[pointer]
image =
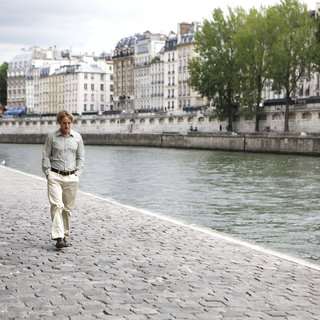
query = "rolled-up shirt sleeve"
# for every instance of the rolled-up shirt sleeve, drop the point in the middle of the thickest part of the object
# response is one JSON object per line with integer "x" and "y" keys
{"x": 46, "y": 154}
{"x": 80, "y": 153}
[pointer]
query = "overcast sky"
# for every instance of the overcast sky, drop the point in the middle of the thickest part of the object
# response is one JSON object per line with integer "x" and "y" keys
{"x": 97, "y": 25}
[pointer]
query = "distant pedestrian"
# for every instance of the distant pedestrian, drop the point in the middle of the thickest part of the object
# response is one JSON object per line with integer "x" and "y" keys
{"x": 62, "y": 163}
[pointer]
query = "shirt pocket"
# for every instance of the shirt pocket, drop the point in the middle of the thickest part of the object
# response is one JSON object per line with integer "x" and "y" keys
{"x": 57, "y": 148}
{"x": 72, "y": 145}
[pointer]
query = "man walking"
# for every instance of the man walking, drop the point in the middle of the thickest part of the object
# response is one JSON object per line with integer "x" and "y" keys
{"x": 62, "y": 163}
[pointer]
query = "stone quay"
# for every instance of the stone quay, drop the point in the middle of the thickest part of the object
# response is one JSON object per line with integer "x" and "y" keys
{"x": 128, "y": 263}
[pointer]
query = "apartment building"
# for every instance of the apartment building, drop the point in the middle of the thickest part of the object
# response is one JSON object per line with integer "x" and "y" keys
{"x": 185, "y": 51}
{"x": 147, "y": 48}
{"x": 151, "y": 71}
{"x": 80, "y": 88}
{"x": 170, "y": 73}
{"x": 90, "y": 88}
{"x": 20, "y": 70}
{"x": 55, "y": 94}
{"x": 123, "y": 63}
{"x": 157, "y": 82}
{"x": 47, "y": 81}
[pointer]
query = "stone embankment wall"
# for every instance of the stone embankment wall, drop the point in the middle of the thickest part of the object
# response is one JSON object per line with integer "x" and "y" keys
{"x": 301, "y": 119}
{"x": 156, "y": 130}
{"x": 268, "y": 143}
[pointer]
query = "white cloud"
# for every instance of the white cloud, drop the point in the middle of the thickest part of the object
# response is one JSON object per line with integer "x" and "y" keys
{"x": 97, "y": 25}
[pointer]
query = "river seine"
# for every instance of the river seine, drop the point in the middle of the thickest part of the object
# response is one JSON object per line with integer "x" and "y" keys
{"x": 269, "y": 199}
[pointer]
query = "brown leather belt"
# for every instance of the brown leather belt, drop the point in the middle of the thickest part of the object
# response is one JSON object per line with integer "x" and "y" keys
{"x": 64, "y": 173}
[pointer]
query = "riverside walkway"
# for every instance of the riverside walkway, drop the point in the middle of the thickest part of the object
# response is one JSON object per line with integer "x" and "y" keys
{"x": 131, "y": 264}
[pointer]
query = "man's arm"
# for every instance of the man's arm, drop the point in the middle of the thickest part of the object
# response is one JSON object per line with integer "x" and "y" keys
{"x": 80, "y": 157}
{"x": 46, "y": 164}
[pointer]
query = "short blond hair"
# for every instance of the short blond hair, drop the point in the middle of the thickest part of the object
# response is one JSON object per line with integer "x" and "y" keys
{"x": 64, "y": 113}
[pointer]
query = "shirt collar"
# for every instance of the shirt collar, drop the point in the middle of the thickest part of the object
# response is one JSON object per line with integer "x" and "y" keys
{"x": 58, "y": 133}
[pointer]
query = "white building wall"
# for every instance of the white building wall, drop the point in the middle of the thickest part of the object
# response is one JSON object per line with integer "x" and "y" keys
{"x": 146, "y": 49}
{"x": 171, "y": 81}
{"x": 156, "y": 83}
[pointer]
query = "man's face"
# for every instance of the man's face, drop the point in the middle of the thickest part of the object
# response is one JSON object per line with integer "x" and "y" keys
{"x": 65, "y": 126}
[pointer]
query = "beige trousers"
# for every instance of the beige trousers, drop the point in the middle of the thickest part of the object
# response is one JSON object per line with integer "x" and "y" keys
{"x": 62, "y": 192}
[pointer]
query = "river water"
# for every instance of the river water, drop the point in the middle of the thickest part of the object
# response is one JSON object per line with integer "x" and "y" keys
{"x": 269, "y": 199}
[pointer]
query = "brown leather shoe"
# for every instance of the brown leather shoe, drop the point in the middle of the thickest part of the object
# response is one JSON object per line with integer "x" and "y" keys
{"x": 65, "y": 243}
{"x": 60, "y": 243}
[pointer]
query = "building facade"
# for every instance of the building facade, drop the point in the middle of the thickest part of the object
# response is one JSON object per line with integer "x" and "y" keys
{"x": 47, "y": 81}
{"x": 187, "y": 97}
{"x": 147, "y": 49}
{"x": 123, "y": 61}
{"x": 170, "y": 73}
{"x": 157, "y": 82}
{"x": 20, "y": 71}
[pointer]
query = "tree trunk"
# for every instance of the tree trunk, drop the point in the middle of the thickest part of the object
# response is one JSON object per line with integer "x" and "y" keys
{"x": 286, "y": 114}
{"x": 260, "y": 86}
{"x": 257, "y": 121}
{"x": 230, "y": 122}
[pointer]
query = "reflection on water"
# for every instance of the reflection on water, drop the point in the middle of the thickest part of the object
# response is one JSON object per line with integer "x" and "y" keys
{"x": 269, "y": 199}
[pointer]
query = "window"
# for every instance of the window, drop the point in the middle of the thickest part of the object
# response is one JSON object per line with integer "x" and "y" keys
{"x": 111, "y": 77}
{"x": 101, "y": 87}
{"x": 102, "y": 97}
{"x": 85, "y": 97}
{"x": 92, "y": 97}
{"x": 101, "y": 77}
{"x": 111, "y": 87}
{"x": 86, "y": 76}
{"x": 92, "y": 86}
{"x": 85, "y": 107}
{"x": 111, "y": 97}
{"x": 85, "y": 86}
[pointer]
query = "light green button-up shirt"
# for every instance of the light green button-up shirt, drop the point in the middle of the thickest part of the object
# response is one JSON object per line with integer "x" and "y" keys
{"x": 63, "y": 153}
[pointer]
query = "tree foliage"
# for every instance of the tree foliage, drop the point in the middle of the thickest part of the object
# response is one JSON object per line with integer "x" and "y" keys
{"x": 240, "y": 53}
{"x": 3, "y": 84}
{"x": 214, "y": 72}
{"x": 292, "y": 44}
{"x": 251, "y": 44}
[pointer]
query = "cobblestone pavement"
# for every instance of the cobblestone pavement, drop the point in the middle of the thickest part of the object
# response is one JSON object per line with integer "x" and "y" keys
{"x": 129, "y": 264}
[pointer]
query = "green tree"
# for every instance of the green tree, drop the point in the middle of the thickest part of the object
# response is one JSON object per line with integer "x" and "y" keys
{"x": 251, "y": 44}
{"x": 317, "y": 37}
{"x": 292, "y": 44}
{"x": 3, "y": 84}
{"x": 214, "y": 72}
